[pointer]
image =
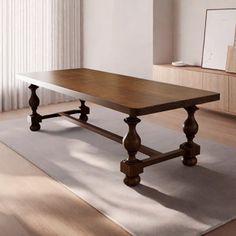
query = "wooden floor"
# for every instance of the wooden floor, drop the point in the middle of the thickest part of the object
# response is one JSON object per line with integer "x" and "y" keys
{"x": 31, "y": 203}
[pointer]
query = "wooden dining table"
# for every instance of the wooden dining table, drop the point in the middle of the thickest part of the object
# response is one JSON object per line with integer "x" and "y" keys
{"x": 133, "y": 96}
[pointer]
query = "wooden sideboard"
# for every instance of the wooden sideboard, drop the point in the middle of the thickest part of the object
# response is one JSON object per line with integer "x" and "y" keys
{"x": 197, "y": 77}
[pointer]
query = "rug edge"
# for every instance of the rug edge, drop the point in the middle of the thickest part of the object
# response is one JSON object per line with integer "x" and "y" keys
{"x": 217, "y": 226}
{"x": 68, "y": 189}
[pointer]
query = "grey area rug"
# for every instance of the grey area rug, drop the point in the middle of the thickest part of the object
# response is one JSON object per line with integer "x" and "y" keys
{"x": 172, "y": 200}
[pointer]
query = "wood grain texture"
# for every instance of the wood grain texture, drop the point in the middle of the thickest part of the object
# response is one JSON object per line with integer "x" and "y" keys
{"x": 122, "y": 93}
{"x": 166, "y": 75}
{"x": 178, "y": 76}
{"x": 232, "y": 94}
{"x": 217, "y": 83}
{"x": 191, "y": 79}
{"x": 231, "y": 60}
{"x": 212, "y": 80}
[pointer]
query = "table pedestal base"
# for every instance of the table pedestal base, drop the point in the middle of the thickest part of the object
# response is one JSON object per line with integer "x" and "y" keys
{"x": 131, "y": 167}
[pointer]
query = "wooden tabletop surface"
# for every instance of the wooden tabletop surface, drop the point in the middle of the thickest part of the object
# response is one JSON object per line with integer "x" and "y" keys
{"x": 127, "y": 94}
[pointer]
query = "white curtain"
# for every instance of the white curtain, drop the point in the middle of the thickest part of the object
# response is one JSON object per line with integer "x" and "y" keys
{"x": 36, "y": 35}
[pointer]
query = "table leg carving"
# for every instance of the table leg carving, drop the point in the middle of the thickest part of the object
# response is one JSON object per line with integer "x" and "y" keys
{"x": 84, "y": 111}
{"x": 190, "y": 128}
{"x": 132, "y": 167}
{"x": 34, "y": 103}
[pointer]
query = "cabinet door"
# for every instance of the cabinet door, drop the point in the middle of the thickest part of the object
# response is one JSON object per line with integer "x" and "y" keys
{"x": 178, "y": 76}
{"x": 166, "y": 74}
{"x": 190, "y": 79}
{"x": 232, "y": 94}
{"x": 217, "y": 83}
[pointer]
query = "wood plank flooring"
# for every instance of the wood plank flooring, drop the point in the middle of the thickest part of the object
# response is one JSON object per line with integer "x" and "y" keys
{"x": 31, "y": 203}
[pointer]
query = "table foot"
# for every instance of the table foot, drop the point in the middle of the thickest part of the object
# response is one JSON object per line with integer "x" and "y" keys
{"x": 131, "y": 167}
{"x": 34, "y": 103}
{"x": 189, "y": 162}
{"x": 132, "y": 181}
{"x": 190, "y": 128}
{"x": 35, "y": 127}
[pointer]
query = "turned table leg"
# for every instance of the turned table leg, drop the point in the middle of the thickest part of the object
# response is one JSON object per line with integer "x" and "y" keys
{"x": 34, "y": 103}
{"x": 84, "y": 111}
{"x": 190, "y": 128}
{"x": 131, "y": 166}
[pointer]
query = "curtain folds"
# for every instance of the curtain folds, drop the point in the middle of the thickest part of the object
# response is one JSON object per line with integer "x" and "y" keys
{"x": 36, "y": 35}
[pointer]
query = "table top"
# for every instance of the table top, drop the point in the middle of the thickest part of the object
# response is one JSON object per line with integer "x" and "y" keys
{"x": 126, "y": 94}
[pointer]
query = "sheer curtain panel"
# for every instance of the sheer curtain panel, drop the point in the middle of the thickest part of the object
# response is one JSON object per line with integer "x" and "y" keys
{"x": 36, "y": 35}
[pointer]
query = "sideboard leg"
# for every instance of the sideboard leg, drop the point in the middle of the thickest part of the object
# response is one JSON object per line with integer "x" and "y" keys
{"x": 84, "y": 111}
{"x": 190, "y": 128}
{"x": 132, "y": 167}
{"x": 34, "y": 103}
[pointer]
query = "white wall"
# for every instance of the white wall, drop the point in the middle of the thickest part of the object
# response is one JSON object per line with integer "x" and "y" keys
{"x": 163, "y": 31}
{"x": 118, "y": 36}
{"x": 189, "y": 23}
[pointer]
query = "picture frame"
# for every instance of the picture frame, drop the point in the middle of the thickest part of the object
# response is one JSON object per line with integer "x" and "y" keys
{"x": 219, "y": 34}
